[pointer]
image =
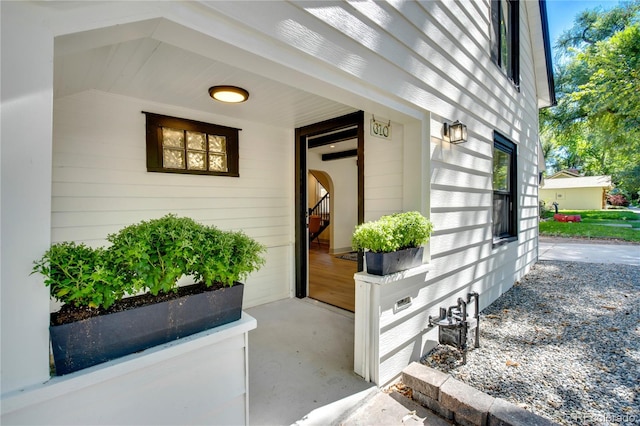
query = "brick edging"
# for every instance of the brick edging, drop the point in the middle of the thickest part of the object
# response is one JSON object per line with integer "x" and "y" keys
{"x": 463, "y": 404}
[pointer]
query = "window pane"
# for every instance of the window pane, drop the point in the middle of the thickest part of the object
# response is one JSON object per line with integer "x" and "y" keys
{"x": 495, "y": 31}
{"x": 178, "y": 145}
{"x": 501, "y": 162}
{"x": 173, "y": 158}
{"x": 218, "y": 163}
{"x": 217, "y": 143}
{"x": 505, "y": 154}
{"x": 501, "y": 215}
{"x": 196, "y": 140}
{"x": 505, "y": 36}
{"x": 172, "y": 138}
{"x": 196, "y": 160}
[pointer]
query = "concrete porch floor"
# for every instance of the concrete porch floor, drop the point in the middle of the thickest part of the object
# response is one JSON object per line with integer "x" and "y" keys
{"x": 301, "y": 360}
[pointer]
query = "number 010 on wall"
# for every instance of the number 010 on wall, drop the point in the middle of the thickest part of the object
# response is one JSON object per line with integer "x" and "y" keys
{"x": 381, "y": 129}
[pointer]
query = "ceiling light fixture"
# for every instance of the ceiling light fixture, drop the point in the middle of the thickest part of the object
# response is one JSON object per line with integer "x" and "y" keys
{"x": 228, "y": 94}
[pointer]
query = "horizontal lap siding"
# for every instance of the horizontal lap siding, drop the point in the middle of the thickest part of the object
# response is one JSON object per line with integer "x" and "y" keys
{"x": 100, "y": 183}
{"x": 436, "y": 55}
{"x": 433, "y": 56}
{"x": 382, "y": 172}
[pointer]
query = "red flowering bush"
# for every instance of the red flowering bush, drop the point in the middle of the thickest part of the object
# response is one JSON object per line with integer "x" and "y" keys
{"x": 617, "y": 200}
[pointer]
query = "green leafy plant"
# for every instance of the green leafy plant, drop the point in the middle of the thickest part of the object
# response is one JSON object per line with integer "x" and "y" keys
{"x": 225, "y": 257}
{"x": 392, "y": 232}
{"x": 81, "y": 275}
{"x": 150, "y": 256}
{"x": 156, "y": 253}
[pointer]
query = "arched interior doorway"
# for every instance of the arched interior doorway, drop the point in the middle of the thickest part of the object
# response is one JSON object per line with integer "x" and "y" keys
{"x": 332, "y": 217}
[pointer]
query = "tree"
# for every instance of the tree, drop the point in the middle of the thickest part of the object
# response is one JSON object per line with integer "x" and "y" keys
{"x": 595, "y": 126}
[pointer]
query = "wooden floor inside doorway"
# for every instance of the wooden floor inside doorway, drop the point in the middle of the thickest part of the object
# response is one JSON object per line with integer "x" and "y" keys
{"x": 331, "y": 278}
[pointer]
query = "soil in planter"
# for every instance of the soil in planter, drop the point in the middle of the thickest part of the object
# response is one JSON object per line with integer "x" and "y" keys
{"x": 69, "y": 313}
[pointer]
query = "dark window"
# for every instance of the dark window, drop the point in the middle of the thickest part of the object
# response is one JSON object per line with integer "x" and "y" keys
{"x": 504, "y": 189}
{"x": 178, "y": 145}
{"x": 505, "y": 31}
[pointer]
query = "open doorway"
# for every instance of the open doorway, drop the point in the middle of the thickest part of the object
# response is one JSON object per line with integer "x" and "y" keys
{"x": 332, "y": 217}
{"x": 321, "y": 273}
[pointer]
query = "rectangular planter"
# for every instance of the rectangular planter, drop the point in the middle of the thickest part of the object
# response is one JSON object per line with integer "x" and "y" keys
{"x": 99, "y": 339}
{"x": 396, "y": 261}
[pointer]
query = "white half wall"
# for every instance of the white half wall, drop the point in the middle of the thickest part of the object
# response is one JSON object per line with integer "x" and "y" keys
{"x": 178, "y": 383}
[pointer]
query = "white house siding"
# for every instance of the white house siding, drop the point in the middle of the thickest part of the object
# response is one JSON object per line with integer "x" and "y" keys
{"x": 435, "y": 55}
{"x": 398, "y": 59}
{"x": 383, "y": 170}
{"x": 100, "y": 182}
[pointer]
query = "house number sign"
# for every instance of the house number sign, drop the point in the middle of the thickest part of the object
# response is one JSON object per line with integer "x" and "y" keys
{"x": 380, "y": 129}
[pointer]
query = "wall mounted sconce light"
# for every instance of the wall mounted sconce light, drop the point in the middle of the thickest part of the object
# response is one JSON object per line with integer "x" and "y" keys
{"x": 456, "y": 132}
{"x": 228, "y": 94}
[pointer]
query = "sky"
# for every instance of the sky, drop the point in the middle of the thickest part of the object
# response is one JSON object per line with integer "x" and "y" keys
{"x": 562, "y": 13}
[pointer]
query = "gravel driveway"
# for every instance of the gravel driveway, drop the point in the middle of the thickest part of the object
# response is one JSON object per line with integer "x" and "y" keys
{"x": 564, "y": 343}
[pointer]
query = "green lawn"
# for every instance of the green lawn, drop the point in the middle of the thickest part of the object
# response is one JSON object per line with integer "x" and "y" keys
{"x": 593, "y": 225}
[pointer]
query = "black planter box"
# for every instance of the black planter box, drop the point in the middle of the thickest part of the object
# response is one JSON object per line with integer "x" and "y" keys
{"x": 396, "y": 261}
{"x": 99, "y": 339}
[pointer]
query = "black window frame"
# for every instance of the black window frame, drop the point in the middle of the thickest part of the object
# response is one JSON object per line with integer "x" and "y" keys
{"x": 154, "y": 125}
{"x": 511, "y": 69}
{"x": 504, "y": 234}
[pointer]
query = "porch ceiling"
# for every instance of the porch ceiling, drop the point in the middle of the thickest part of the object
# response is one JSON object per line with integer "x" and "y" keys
{"x": 140, "y": 61}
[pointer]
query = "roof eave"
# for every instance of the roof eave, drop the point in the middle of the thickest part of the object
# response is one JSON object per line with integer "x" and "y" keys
{"x": 547, "y": 52}
{"x": 542, "y": 55}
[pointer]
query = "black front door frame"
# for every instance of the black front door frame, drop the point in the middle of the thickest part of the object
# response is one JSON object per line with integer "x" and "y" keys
{"x": 302, "y": 209}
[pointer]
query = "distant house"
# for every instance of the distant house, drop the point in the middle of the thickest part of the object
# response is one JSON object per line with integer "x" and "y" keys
{"x": 362, "y": 93}
{"x": 574, "y": 192}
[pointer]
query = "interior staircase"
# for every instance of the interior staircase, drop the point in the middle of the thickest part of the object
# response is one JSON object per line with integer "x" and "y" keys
{"x": 319, "y": 218}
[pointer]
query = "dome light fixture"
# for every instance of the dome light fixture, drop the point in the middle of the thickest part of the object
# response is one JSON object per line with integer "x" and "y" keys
{"x": 228, "y": 94}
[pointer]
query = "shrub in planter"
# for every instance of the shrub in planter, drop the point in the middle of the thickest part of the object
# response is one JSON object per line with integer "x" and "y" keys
{"x": 224, "y": 257}
{"x": 81, "y": 276}
{"x": 392, "y": 232}
{"x": 146, "y": 257}
{"x": 402, "y": 234}
{"x": 154, "y": 254}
